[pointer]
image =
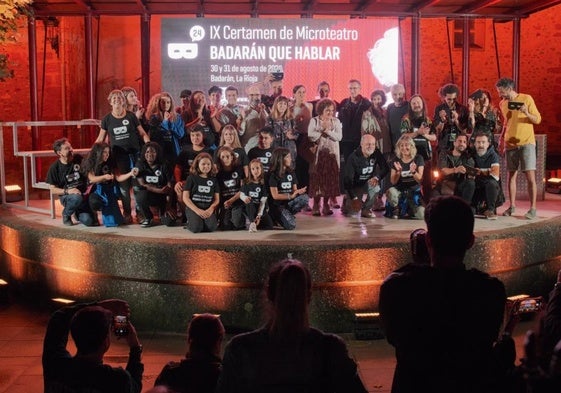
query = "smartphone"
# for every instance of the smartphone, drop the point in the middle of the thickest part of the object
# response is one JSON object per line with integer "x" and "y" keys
{"x": 514, "y": 106}
{"x": 528, "y": 305}
{"x": 278, "y": 76}
{"x": 120, "y": 325}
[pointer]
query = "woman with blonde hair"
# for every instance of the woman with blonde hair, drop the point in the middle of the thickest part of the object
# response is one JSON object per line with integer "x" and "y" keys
{"x": 166, "y": 126}
{"x": 404, "y": 197}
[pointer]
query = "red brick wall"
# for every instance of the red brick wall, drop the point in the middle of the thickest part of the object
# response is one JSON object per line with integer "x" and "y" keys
{"x": 119, "y": 65}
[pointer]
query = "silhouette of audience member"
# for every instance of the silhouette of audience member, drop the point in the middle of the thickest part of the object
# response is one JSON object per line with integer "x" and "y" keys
{"x": 199, "y": 371}
{"x": 90, "y": 326}
{"x": 287, "y": 355}
{"x": 443, "y": 319}
{"x": 540, "y": 371}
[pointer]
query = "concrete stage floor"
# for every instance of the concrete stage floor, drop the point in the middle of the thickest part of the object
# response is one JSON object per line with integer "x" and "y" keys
{"x": 173, "y": 273}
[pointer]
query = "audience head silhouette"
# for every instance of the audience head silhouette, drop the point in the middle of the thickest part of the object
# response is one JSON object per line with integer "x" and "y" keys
{"x": 205, "y": 334}
{"x": 288, "y": 291}
{"x": 449, "y": 229}
{"x": 90, "y": 329}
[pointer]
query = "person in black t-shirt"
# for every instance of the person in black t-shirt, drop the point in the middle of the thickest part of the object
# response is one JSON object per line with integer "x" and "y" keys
{"x": 230, "y": 176}
{"x": 66, "y": 179}
{"x": 264, "y": 150}
{"x": 155, "y": 186}
{"x": 201, "y": 195}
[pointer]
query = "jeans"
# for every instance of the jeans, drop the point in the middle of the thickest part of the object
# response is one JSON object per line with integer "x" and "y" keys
{"x": 76, "y": 204}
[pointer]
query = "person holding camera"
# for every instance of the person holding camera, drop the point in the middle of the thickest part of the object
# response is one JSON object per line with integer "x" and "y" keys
{"x": 455, "y": 167}
{"x": 254, "y": 118}
{"x": 91, "y": 326}
{"x": 450, "y": 117}
{"x": 519, "y": 141}
{"x": 444, "y": 319}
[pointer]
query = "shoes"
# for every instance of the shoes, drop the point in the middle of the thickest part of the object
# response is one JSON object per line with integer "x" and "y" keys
{"x": 379, "y": 205}
{"x": 127, "y": 219}
{"x": 146, "y": 223}
{"x": 326, "y": 211}
{"x": 490, "y": 215}
{"x": 334, "y": 204}
{"x": 509, "y": 212}
{"x": 367, "y": 214}
{"x": 315, "y": 211}
{"x": 530, "y": 214}
{"x": 67, "y": 220}
{"x": 395, "y": 213}
{"x": 252, "y": 227}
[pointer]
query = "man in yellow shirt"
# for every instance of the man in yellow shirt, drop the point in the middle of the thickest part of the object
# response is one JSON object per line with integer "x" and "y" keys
{"x": 520, "y": 115}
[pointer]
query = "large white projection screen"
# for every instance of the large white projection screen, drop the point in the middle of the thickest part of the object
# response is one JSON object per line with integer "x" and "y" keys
{"x": 199, "y": 53}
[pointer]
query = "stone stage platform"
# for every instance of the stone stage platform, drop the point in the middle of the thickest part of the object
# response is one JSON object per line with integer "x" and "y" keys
{"x": 168, "y": 274}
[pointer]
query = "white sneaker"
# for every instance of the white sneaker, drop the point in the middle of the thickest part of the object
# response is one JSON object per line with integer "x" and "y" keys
{"x": 252, "y": 227}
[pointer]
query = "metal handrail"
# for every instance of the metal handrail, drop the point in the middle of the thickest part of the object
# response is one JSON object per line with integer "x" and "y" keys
{"x": 25, "y": 154}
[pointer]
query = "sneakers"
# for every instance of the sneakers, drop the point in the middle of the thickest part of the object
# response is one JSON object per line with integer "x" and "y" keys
{"x": 252, "y": 227}
{"x": 315, "y": 211}
{"x": 530, "y": 214}
{"x": 490, "y": 215}
{"x": 367, "y": 214}
{"x": 67, "y": 220}
{"x": 326, "y": 211}
{"x": 509, "y": 212}
{"x": 146, "y": 223}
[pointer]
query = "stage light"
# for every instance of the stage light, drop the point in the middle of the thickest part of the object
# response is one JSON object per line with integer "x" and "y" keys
{"x": 553, "y": 185}
{"x": 63, "y": 300}
{"x": 367, "y": 326}
{"x": 13, "y": 193}
{"x": 4, "y": 295}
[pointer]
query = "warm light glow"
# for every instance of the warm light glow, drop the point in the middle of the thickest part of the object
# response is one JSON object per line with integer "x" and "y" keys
{"x": 517, "y": 297}
{"x": 62, "y": 300}
{"x": 68, "y": 257}
{"x": 12, "y": 188}
{"x": 212, "y": 278}
{"x": 364, "y": 315}
{"x": 554, "y": 180}
{"x": 501, "y": 255}
{"x": 3, "y": 282}
{"x": 10, "y": 243}
{"x": 435, "y": 174}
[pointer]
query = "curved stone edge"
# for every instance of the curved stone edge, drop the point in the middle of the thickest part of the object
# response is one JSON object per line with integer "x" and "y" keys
{"x": 166, "y": 282}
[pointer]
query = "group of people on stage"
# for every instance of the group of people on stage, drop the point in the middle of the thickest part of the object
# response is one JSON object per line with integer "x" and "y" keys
{"x": 222, "y": 165}
{"x": 451, "y": 328}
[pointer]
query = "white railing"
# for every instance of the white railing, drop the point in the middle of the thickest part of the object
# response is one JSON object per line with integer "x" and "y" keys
{"x": 30, "y": 179}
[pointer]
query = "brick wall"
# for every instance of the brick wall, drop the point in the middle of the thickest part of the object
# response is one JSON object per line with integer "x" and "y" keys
{"x": 119, "y": 65}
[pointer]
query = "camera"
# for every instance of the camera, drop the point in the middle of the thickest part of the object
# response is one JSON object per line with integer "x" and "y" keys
{"x": 514, "y": 106}
{"x": 120, "y": 325}
{"x": 419, "y": 250}
{"x": 278, "y": 76}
